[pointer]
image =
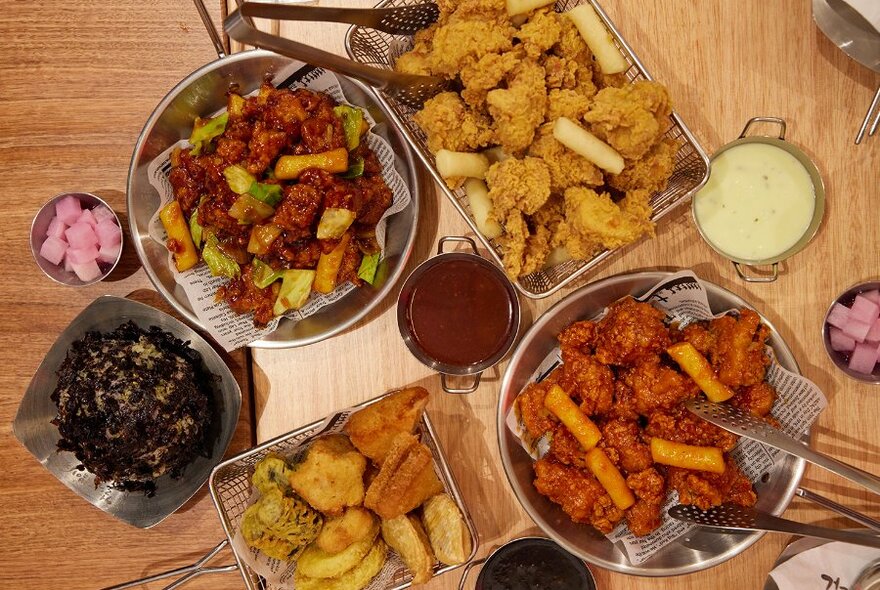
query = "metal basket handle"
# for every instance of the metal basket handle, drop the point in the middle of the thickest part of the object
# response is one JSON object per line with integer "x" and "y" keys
{"x": 188, "y": 572}
{"x": 467, "y": 570}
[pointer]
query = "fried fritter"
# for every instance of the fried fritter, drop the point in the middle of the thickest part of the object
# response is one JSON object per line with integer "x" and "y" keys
{"x": 405, "y": 535}
{"x": 406, "y": 479}
{"x": 332, "y": 475}
{"x": 272, "y": 472}
{"x": 597, "y": 218}
{"x": 629, "y": 331}
{"x": 738, "y": 355}
{"x": 354, "y": 579}
{"x": 579, "y": 494}
{"x": 450, "y": 124}
{"x": 633, "y": 118}
{"x": 341, "y": 531}
{"x": 373, "y": 428}
{"x": 280, "y": 526}
{"x": 314, "y": 562}
{"x": 446, "y": 529}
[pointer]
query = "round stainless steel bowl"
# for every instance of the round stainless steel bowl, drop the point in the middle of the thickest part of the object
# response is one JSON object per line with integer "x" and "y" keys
{"x": 204, "y": 92}
{"x": 692, "y": 552}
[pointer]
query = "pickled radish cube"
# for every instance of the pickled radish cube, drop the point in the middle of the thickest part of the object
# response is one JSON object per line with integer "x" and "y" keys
{"x": 872, "y": 296}
{"x": 87, "y": 271}
{"x": 109, "y": 254}
{"x": 56, "y": 228}
{"x": 840, "y": 341}
{"x": 109, "y": 234}
{"x": 68, "y": 209}
{"x": 863, "y": 358}
{"x": 80, "y": 235}
{"x": 101, "y": 213}
{"x": 53, "y": 249}
{"x": 874, "y": 333}
{"x": 864, "y": 309}
{"x": 838, "y": 316}
{"x": 88, "y": 217}
{"x": 67, "y": 266}
{"x": 82, "y": 255}
{"x": 856, "y": 329}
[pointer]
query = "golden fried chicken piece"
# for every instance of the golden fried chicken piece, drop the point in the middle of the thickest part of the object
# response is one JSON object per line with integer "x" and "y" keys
{"x": 561, "y": 73}
{"x": 649, "y": 488}
{"x": 576, "y": 58}
{"x": 704, "y": 489}
{"x": 631, "y": 119}
{"x": 373, "y": 428}
{"x": 651, "y": 172}
{"x": 738, "y": 356}
{"x": 540, "y": 32}
{"x": 629, "y": 331}
{"x": 680, "y": 425}
{"x": 757, "y": 399}
{"x": 406, "y": 479}
{"x": 657, "y": 386}
{"x": 565, "y": 448}
{"x": 577, "y": 244}
{"x": 450, "y": 124}
{"x": 460, "y": 43}
{"x": 599, "y": 219}
{"x": 518, "y": 185}
{"x": 567, "y": 168}
{"x": 331, "y": 477}
{"x": 536, "y": 250}
{"x": 485, "y": 74}
{"x": 588, "y": 380}
{"x": 566, "y": 103}
{"x": 624, "y": 436}
{"x": 579, "y": 494}
{"x": 414, "y": 62}
{"x": 513, "y": 243}
{"x": 494, "y": 11}
{"x": 699, "y": 336}
{"x": 519, "y": 109}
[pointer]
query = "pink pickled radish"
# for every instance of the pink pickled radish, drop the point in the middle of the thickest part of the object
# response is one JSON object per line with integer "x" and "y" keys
{"x": 863, "y": 358}
{"x": 67, "y": 266}
{"x": 840, "y": 341}
{"x": 82, "y": 255}
{"x": 864, "y": 309}
{"x": 88, "y": 217}
{"x": 87, "y": 271}
{"x": 80, "y": 235}
{"x": 68, "y": 209}
{"x": 873, "y": 334}
{"x": 838, "y": 316}
{"x": 108, "y": 233}
{"x": 101, "y": 213}
{"x": 53, "y": 249}
{"x": 856, "y": 329}
{"x": 56, "y": 228}
{"x": 109, "y": 254}
{"x": 873, "y": 295}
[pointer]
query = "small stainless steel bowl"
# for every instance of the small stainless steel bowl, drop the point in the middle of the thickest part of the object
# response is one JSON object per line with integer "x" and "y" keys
{"x": 818, "y": 209}
{"x": 404, "y": 325}
{"x": 39, "y": 226}
{"x": 841, "y": 359}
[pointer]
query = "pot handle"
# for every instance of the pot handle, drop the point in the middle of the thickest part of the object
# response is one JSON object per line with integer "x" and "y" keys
{"x": 467, "y": 570}
{"x": 209, "y": 26}
{"x": 776, "y": 120}
{"x": 460, "y": 391}
{"x": 462, "y": 239}
{"x": 756, "y": 279}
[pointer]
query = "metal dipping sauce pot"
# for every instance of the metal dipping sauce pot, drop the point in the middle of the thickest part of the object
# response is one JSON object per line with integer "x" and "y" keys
{"x": 458, "y": 314}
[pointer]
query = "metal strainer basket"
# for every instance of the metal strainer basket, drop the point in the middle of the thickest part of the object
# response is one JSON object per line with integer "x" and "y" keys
{"x": 369, "y": 46}
{"x": 232, "y": 492}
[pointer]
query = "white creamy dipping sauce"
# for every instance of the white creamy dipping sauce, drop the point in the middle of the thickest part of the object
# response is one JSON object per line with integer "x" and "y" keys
{"x": 758, "y": 202}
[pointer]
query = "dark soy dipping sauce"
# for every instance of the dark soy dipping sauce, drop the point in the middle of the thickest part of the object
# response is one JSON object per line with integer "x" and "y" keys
{"x": 534, "y": 564}
{"x": 460, "y": 313}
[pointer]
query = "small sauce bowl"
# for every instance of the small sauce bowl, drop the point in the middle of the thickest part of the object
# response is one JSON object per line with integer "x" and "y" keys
{"x": 458, "y": 314}
{"x": 709, "y": 222}
{"x": 839, "y": 358}
{"x": 40, "y": 225}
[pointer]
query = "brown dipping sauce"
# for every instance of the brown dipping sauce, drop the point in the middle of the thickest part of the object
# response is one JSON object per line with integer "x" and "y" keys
{"x": 534, "y": 564}
{"x": 460, "y": 312}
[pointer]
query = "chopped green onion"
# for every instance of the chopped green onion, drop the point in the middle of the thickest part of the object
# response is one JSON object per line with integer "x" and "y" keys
{"x": 204, "y": 131}
{"x": 368, "y": 268}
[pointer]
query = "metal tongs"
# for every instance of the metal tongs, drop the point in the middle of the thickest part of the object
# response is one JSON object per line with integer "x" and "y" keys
{"x": 410, "y": 89}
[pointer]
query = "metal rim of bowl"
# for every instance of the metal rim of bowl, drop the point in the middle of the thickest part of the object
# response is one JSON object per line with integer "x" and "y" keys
{"x": 818, "y": 192}
{"x": 833, "y": 355}
{"x": 35, "y": 247}
{"x": 416, "y": 350}
{"x": 406, "y": 159}
{"x": 747, "y": 539}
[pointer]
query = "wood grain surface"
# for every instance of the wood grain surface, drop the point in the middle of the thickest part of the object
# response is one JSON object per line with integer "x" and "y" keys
{"x": 723, "y": 62}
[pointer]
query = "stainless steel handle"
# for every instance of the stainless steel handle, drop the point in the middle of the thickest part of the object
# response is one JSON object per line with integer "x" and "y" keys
{"x": 467, "y": 570}
{"x": 460, "y": 391}
{"x": 191, "y": 571}
{"x": 459, "y": 239}
{"x": 774, "y": 120}
{"x": 767, "y": 522}
{"x": 212, "y": 30}
{"x": 839, "y": 508}
{"x": 400, "y": 20}
{"x": 756, "y": 279}
{"x": 867, "y": 480}
{"x": 875, "y": 105}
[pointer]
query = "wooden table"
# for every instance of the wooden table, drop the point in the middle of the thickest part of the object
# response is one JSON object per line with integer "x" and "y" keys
{"x": 77, "y": 82}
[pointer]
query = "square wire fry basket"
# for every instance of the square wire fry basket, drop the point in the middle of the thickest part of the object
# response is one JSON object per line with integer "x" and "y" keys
{"x": 231, "y": 490}
{"x": 691, "y": 171}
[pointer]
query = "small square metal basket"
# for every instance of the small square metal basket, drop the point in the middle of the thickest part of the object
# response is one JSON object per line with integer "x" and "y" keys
{"x": 375, "y": 48}
{"x": 231, "y": 489}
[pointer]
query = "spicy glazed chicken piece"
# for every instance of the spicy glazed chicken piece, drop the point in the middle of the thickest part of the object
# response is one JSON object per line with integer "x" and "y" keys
{"x": 699, "y": 336}
{"x": 755, "y": 399}
{"x": 537, "y": 419}
{"x": 738, "y": 355}
{"x": 630, "y": 331}
{"x": 649, "y": 488}
{"x": 588, "y": 380}
{"x": 579, "y": 335}
{"x": 579, "y": 494}
{"x": 704, "y": 489}
{"x": 625, "y": 437}
{"x": 243, "y": 296}
{"x": 658, "y": 387}
{"x": 566, "y": 449}
{"x": 680, "y": 425}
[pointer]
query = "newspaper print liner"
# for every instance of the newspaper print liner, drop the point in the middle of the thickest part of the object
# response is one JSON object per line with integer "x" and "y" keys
{"x": 232, "y": 330}
{"x": 797, "y": 406}
{"x": 394, "y": 573}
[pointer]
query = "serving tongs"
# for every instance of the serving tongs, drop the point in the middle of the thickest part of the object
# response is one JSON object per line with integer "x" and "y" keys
{"x": 410, "y": 89}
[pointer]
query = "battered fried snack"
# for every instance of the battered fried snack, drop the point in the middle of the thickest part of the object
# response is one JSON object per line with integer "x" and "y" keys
{"x": 272, "y": 472}
{"x": 354, "y": 579}
{"x": 342, "y": 531}
{"x": 314, "y": 562}
{"x": 373, "y": 428}
{"x": 405, "y": 535}
{"x": 447, "y": 530}
{"x": 280, "y": 526}
{"x": 698, "y": 368}
{"x": 406, "y": 479}
{"x": 332, "y": 475}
